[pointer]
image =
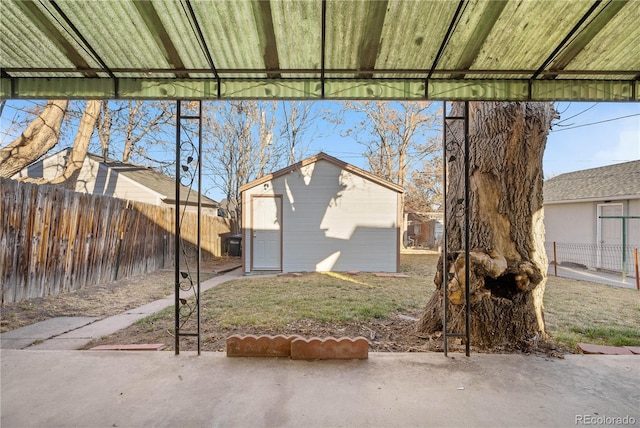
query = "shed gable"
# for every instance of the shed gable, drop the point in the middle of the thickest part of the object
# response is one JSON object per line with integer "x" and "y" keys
{"x": 333, "y": 218}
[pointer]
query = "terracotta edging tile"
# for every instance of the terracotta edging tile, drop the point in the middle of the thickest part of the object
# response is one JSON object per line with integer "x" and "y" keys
{"x": 588, "y": 348}
{"x": 259, "y": 346}
{"x": 330, "y": 348}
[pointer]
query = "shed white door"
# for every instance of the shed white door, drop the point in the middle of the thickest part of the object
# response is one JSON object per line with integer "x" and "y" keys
{"x": 609, "y": 237}
{"x": 267, "y": 235}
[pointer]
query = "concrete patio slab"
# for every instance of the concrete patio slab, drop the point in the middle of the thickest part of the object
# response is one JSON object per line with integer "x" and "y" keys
{"x": 136, "y": 389}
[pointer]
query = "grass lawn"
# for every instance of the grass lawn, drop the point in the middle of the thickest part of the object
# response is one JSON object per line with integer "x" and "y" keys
{"x": 274, "y": 302}
{"x": 575, "y": 311}
{"x": 581, "y": 311}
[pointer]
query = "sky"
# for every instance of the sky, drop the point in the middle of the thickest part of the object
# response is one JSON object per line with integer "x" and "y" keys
{"x": 587, "y": 135}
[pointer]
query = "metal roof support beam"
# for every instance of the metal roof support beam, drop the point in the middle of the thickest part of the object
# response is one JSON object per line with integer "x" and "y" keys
{"x": 387, "y": 89}
{"x": 370, "y": 42}
{"x": 323, "y": 41}
{"x": 264, "y": 24}
{"x": 447, "y": 36}
{"x": 480, "y": 34}
{"x": 33, "y": 12}
{"x": 566, "y": 39}
{"x": 163, "y": 40}
{"x": 203, "y": 43}
{"x": 585, "y": 36}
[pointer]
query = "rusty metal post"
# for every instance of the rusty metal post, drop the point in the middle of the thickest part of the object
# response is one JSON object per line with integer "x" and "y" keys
{"x": 555, "y": 260}
{"x": 635, "y": 256}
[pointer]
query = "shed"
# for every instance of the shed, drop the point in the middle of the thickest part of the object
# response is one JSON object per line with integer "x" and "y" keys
{"x": 584, "y": 210}
{"x": 321, "y": 214}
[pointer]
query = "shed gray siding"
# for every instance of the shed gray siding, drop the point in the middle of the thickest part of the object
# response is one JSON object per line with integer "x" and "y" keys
{"x": 332, "y": 220}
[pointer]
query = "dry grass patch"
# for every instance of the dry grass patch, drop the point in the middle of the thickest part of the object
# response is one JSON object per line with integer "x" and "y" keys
{"x": 275, "y": 302}
{"x": 581, "y": 311}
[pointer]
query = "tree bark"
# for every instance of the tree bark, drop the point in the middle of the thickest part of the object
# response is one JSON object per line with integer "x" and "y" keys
{"x": 78, "y": 153}
{"x": 39, "y": 137}
{"x": 508, "y": 263}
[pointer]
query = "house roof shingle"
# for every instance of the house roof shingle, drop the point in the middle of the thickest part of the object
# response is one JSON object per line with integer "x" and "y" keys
{"x": 155, "y": 181}
{"x": 619, "y": 181}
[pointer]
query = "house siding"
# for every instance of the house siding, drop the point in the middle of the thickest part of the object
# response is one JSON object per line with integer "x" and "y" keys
{"x": 577, "y": 222}
{"x": 332, "y": 220}
{"x": 573, "y": 223}
{"x": 97, "y": 178}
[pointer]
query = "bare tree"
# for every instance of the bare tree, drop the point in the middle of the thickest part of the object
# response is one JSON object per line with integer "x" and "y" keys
{"x": 130, "y": 130}
{"x": 394, "y": 134}
{"x": 237, "y": 147}
{"x": 508, "y": 263}
{"x": 296, "y": 128}
{"x": 424, "y": 187}
{"x": 38, "y": 138}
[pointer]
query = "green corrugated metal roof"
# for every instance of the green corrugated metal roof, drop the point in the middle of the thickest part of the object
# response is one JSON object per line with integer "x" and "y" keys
{"x": 315, "y": 49}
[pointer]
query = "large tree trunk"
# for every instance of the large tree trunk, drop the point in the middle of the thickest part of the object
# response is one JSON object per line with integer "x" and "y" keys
{"x": 39, "y": 137}
{"x": 508, "y": 263}
{"x": 80, "y": 146}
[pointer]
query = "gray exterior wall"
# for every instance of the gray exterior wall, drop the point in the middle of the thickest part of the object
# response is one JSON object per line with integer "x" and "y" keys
{"x": 570, "y": 223}
{"x": 332, "y": 220}
{"x": 98, "y": 179}
{"x": 577, "y": 222}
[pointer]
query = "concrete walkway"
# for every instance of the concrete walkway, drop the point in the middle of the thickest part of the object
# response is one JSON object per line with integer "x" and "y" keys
{"x": 158, "y": 389}
{"x": 68, "y": 333}
{"x": 593, "y": 276}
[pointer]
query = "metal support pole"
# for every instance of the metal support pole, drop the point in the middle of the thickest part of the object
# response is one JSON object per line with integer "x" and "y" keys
{"x": 184, "y": 278}
{"x": 177, "y": 234}
{"x": 466, "y": 230}
{"x": 467, "y": 333}
{"x": 624, "y": 249}
{"x": 635, "y": 253}
{"x": 199, "y": 255}
{"x": 555, "y": 259}
{"x": 445, "y": 248}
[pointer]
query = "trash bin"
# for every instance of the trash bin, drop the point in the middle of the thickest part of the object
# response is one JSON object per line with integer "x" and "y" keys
{"x": 234, "y": 245}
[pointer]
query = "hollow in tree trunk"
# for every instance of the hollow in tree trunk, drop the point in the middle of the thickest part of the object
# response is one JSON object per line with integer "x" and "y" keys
{"x": 507, "y": 259}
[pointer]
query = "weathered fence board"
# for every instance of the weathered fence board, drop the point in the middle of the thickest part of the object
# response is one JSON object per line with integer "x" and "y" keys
{"x": 55, "y": 240}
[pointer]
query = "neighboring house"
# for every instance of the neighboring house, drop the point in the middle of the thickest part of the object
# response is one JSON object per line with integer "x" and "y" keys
{"x": 120, "y": 180}
{"x": 321, "y": 214}
{"x": 574, "y": 204}
{"x": 423, "y": 230}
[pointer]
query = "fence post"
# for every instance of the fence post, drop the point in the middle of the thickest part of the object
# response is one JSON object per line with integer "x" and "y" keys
{"x": 555, "y": 260}
{"x": 635, "y": 251}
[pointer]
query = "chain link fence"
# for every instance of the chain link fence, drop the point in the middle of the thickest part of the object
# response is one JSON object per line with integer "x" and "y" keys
{"x": 611, "y": 259}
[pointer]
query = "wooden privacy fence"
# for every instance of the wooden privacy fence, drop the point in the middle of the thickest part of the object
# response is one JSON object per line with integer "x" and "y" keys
{"x": 54, "y": 240}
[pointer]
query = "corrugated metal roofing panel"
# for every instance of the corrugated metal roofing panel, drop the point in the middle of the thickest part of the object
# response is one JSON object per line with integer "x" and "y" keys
{"x": 615, "y": 47}
{"x": 526, "y": 33}
{"x": 344, "y": 34}
{"x": 302, "y": 18}
{"x": 30, "y": 39}
{"x": 412, "y": 34}
{"x": 117, "y": 32}
{"x": 386, "y": 48}
{"x": 229, "y": 28}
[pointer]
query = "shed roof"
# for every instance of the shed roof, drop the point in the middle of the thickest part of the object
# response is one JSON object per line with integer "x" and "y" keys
{"x": 619, "y": 181}
{"x": 321, "y": 49}
{"x": 323, "y": 156}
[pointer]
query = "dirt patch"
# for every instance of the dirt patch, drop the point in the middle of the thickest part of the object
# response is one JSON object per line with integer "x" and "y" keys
{"x": 103, "y": 300}
{"x": 395, "y": 334}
